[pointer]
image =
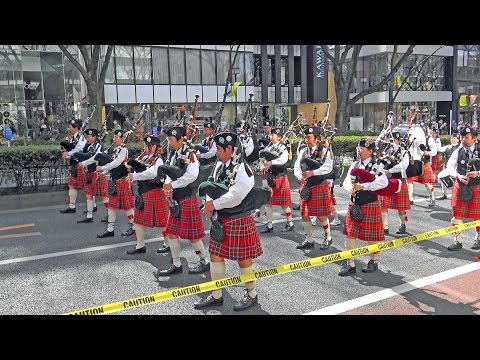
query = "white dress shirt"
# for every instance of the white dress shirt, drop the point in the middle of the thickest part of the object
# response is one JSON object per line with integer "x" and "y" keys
{"x": 380, "y": 182}
{"x": 322, "y": 170}
{"x": 190, "y": 175}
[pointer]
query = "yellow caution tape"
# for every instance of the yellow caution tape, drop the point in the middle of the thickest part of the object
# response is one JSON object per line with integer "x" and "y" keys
{"x": 265, "y": 273}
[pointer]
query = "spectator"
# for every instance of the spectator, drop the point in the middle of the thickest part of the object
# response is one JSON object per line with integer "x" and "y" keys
{"x": 127, "y": 125}
{"x": 7, "y": 130}
{"x": 44, "y": 126}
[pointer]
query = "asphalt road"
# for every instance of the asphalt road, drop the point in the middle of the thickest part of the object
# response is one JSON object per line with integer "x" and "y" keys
{"x": 49, "y": 264}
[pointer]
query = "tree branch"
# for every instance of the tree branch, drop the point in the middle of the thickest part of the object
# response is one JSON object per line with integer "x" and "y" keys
{"x": 74, "y": 61}
{"x": 86, "y": 57}
{"x": 106, "y": 62}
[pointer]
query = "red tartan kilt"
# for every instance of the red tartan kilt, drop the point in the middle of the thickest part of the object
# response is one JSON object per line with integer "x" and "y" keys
{"x": 123, "y": 199}
{"x": 397, "y": 201}
{"x": 436, "y": 165}
{"x": 427, "y": 177}
{"x": 241, "y": 240}
{"x": 155, "y": 209}
{"x": 371, "y": 226}
{"x": 80, "y": 180}
{"x": 281, "y": 192}
{"x": 99, "y": 185}
{"x": 189, "y": 225}
{"x": 462, "y": 209}
{"x": 332, "y": 196}
{"x": 321, "y": 202}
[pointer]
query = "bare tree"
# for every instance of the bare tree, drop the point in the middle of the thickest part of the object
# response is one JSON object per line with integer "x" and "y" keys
{"x": 344, "y": 68}
{"x": 93, "y": 79}
{"x": 228, "y": 80}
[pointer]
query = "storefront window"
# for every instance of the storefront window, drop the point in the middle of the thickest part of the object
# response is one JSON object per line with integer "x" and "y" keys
{"x": 52, "y": 72}
{"x": 124, "y": 64}
{"x": 249, "y": 69}
{"x": 143, "y": 67}
{"x": 160, "y": 65}
{"x": 177, "y": 65}
{"x": 193, "y": 66}
{"x": 208, "y": 67}
{"x": 223, "y": 64}
{"x": 33, "y": 85}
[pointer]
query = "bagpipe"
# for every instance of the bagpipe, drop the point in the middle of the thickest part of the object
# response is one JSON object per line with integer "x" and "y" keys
{"x": 364, "y": 176}
{"x": 448, "y": 180}
{"x": 173, "y": 172}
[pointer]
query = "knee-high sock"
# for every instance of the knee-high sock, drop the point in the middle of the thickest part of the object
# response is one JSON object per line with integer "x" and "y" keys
{"x": 458, "y": 235}
{"x": 403, "y": 217}
{"x": 410, "y": 191}
{"x": 374, "y": 256}
{"x": 89, "y": 208}
{"x": 307, "y": 228}
{"x": 130, "y": 216}
{"x": 288, "y": 214}
{"x": 200, "y": 250}
{"x": 140, "y": 233}
{"x": 72, "y": 194}
{"x": 176, "y": 249}
{"x": 326, "y": 227}
{"x": 350, "y": 243}
{"x": 94, "y": 201}
{"x": 269, "y": 212}
{"x": 335, "y": 215}
{"x": 444, "y": 189}
{"x": 217, "y": 271}
{"x": 112, "y": 217}
{"x": 385, "y": 218}
{"x": 251, "y": 284}
{"x": 431, "y": 190}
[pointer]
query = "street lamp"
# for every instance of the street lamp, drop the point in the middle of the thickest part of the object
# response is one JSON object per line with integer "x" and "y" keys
{"x": 236, "y": 71}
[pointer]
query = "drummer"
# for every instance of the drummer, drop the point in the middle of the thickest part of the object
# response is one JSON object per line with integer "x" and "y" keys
{"x": 447, "y": 152}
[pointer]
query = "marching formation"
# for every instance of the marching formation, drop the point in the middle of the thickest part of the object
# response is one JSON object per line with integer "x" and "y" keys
{"x": 162, "y": 187}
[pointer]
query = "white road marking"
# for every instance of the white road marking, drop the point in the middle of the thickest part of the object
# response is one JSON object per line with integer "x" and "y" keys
{"x": 397, "y": 290}
{"x": 96, "y": 248}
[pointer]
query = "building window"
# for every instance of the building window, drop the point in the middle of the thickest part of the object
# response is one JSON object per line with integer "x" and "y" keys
{"x": 249, "y": 69}
{"x": 124, "y": 64}
{"x": 160, "y": 65}
{"x": 240, "y": 65}
{"x": 177, "y": 65}
{"x": 193, "y": 66}
{"x": 223, "y": 64}
{"x": 52, "y": 71}
{"x": 208, "y": 67}
{"x": 143, "y": 67}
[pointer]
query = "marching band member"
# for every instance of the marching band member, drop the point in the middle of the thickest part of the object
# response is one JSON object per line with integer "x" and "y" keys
{"x": 77, "y": 178}
{"x": 447, "y": 152}
{"x": 241, "y": 242}
{"x": 247, "y": 141}
{"x": 436, "y": 164}
{"x": 461, "y": 207}
{"x": 188, "y": 225}
{"x": 398, "y": 201}
{"x": 276, "y": 170}
{"x": 319, "y": 203}
{"x": 98, "y": 185}
{"x": 155, "y": 210}
{"x": 122, "y": 199}
{"x": 369, "y": 227}
{"x": 210, "y": 155}
{"x": 267, "y": 129}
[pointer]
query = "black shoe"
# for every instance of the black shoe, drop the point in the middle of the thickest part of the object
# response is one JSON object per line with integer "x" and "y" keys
{"x": 68, "y": 210}
{"x": 455, "y": 246}
{"x": 208, "y": 301}
{"x": 94, "y": 210}
{"x": 476, "y": 245}
{"x": 370, "y": 267}
{"x": 142, "y": 250}
{"x": 246, "y": 302}
{"x": 201, "y": 268}
{"x": 326, "y": 243}
{"x": 105, "y": 219}
{"x": 163, "y": 249}
{"x": 267, "y": 230}
{"x": 295, "y": 206}
{"x": 386, "y": 232}
{"x": 411, "y": 202}
{"x": 306, "y": 244}
{"x": 86, "y": 220}
{"x": 106, "y": 233}
{"x": 443, "y": 197}
{"x": 402, "y": 229}
{"x": 129, "y": 231}
{"x": 171, "y": 270}
{"x": 287, "y": 228}
{"x": 347, "y": 269}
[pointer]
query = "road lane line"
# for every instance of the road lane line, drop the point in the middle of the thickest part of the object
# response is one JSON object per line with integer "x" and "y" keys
{"x": 397, "y": 290}
{"x": 96, "y": 248}
{"x": 15, "y": 227}
{"x": 20, "y": 235}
